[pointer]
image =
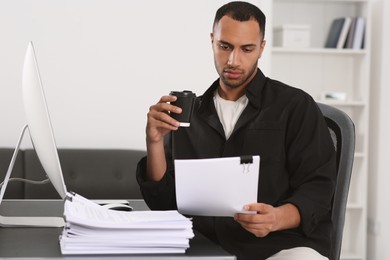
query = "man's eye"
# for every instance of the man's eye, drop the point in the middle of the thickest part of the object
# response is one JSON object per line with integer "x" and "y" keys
{"x": 223, "y": 46}
{"x": 247, "y": 50}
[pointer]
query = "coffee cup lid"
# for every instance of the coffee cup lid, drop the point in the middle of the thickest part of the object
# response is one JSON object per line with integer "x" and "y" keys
{"x": 183, "y": 93}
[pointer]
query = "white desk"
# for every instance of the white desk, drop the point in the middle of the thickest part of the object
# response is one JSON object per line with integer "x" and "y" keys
{"x": 42, "y": 243}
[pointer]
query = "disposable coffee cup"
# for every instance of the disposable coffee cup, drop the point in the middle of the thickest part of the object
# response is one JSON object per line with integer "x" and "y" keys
{"x": 185, "y": 100}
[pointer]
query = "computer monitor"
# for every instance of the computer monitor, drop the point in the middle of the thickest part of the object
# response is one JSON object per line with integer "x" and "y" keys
{"x": 41, "y": 133}
{"x": 38, "y": 121}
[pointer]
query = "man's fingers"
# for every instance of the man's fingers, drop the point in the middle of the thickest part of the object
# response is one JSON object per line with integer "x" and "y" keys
{"x": 165, "y": 99}
{"x": 162, "y": 119}
{"x": 261, "y": 209}
{"x": 258, "y": 207}
{"x": 165, "y": 107}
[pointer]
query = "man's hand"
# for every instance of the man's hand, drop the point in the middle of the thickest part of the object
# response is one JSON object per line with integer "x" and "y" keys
{"x": 159, "y": 122}
{"x": 268, "y": 218}
{"x": 158, "y": 125}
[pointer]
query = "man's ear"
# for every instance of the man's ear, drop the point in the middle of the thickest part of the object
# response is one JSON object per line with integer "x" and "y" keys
{"x": 262, "y": 46}
{"x": 212, "y": 37}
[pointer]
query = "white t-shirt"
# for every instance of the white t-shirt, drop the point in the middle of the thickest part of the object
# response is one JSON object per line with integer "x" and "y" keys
{"x": 229, "y": 111}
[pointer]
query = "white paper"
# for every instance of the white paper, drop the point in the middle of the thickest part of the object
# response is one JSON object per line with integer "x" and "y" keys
{"x": 216, "y": 187}
{"x": 93, "y": 229}
{"x": 100, "y": 217}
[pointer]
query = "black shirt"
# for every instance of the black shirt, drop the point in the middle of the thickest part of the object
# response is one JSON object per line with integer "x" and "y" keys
{"x": 285, "y": 127}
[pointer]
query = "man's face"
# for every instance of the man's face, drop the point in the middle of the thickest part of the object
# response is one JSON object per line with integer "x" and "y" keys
{"x": 237, "y": 46}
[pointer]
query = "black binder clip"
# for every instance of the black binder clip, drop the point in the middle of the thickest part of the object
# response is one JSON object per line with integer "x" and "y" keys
{"x": 70, "y": 195}
{"x": 246, "y": 161}
{"x": 67, "y": 197}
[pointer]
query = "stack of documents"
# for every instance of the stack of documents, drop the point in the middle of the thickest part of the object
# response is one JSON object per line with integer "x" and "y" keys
{"x": 93, "y": 229}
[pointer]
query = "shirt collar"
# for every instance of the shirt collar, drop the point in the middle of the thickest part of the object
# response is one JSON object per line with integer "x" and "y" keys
{"x": 253, "y": 91}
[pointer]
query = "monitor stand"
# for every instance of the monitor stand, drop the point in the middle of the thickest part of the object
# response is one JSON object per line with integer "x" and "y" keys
{"x": 11, "y": 221}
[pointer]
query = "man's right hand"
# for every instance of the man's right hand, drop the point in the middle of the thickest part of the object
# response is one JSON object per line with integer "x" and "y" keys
{"x": 158, "y": 125}
{"x": 159, "y": 121}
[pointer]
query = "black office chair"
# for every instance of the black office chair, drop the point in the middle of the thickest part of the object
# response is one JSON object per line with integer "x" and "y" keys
{"x": 342, "y": 131}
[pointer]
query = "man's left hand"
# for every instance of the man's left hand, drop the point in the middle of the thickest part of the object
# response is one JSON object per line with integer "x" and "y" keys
{"x": 268, "y": 218}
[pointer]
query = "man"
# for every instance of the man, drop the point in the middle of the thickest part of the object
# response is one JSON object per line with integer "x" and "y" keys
{"x": 244, "y": 112}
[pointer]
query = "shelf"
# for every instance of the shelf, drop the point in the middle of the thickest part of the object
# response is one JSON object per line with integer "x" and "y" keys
{"x": 342, "y": 103}
{"x": 320, "y": 51}
{"x": 319, "y": 71}
{"x": 355, "y": 206}
{"x": 360, "y": 155}
{"x": 324, "y": 1}
{"x": 351, "y": 256}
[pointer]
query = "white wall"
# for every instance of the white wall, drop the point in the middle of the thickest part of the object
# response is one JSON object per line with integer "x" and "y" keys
{"x": 103, "y": 63}
{"x": 379, "y": 177}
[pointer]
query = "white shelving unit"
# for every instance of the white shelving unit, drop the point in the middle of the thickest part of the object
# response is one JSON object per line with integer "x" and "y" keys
{"x": 319, "y": 70}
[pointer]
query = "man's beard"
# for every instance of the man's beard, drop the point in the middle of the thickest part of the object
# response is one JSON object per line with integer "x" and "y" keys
{"x": 232, "y": 83}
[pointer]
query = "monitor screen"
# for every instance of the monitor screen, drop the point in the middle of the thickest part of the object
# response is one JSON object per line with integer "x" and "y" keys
{"x": 38, "y": 121}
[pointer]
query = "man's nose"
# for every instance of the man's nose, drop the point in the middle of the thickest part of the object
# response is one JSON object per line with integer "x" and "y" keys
{"x": 234, "y": 58}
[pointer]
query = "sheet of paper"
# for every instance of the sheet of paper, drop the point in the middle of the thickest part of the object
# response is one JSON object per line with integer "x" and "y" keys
{"x": 67, "y": 249}
{"x": 78, "y": 230}
{"x": 216, "y": 187}
{"x": 92, "y": 215}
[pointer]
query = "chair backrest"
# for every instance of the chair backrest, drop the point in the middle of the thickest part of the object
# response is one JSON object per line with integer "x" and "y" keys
{"x": 342, "y": 131}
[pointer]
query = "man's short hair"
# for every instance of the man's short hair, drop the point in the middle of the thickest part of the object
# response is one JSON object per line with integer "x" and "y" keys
{"x": 241, "y": 11}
